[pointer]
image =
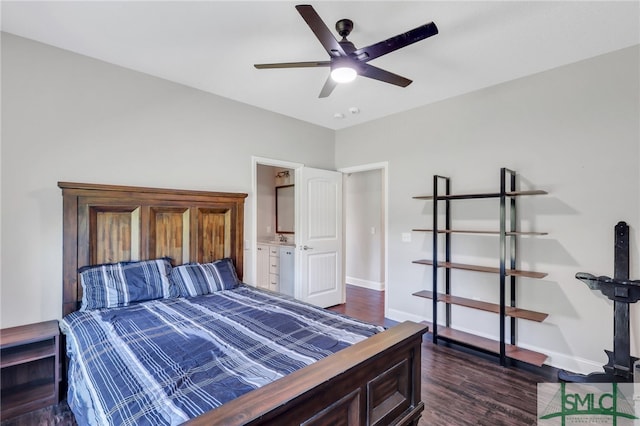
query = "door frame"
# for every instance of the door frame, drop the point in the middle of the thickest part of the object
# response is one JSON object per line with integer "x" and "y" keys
{"x": 255, "y": 162}
{"x": 384, "y": 168}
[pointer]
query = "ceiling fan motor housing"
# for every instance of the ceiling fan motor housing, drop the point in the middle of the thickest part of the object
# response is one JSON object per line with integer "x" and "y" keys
{"x": 344, "y": 27}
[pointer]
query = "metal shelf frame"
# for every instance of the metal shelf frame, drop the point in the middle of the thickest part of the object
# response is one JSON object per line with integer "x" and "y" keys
{"x": 508, "y": 234}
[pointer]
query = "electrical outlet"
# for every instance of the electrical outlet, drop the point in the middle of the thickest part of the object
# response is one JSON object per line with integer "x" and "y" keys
{"x": 406, "y": 237}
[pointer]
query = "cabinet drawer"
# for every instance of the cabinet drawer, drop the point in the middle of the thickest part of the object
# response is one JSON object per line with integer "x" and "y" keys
{"x": 273, "y": 282}
{"x": 273, "y": 268}
{"x": 273, "y": 251}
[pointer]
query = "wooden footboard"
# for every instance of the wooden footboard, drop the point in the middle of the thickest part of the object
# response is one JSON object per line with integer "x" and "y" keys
{"x": 374, "y": 382}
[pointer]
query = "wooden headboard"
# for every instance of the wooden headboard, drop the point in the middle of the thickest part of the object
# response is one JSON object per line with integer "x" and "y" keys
{"x": 108, "y": 223}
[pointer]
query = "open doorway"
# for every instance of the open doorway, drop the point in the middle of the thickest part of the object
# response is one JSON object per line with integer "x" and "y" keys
{"x": 275, "y": 218}
{"x": 316, "y": 243}
{"x": 267, "y": 175}
{"x": 366, "y": 226}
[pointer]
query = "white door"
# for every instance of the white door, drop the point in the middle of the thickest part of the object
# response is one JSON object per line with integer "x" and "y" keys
{"x": 319, "y": 237}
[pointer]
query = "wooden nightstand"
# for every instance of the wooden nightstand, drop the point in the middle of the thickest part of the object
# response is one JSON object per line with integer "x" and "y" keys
{"x": 30, "y": 365}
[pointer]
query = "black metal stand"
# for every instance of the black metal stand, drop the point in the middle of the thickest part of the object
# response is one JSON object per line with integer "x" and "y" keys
{"x": 623, "y": 292}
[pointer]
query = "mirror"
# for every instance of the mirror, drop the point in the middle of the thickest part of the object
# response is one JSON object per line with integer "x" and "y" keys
{"x": 285, "y": 209}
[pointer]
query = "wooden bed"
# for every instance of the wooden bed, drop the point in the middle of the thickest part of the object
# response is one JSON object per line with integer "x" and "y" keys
{"x": 374, "y": 382}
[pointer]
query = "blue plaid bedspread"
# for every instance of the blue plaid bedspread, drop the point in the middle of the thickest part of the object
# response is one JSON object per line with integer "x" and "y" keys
{"x": 165, "y": 361}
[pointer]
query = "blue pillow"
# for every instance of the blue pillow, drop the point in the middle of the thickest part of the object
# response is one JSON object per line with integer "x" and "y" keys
{"x": 120, "y": 284}
{"x": 192, "y": 279}
{"x": 149, "y": 279}
{"x": 196, "y": 279}
{"x": 226, "y": 273}
{"x": 102, "y": 286}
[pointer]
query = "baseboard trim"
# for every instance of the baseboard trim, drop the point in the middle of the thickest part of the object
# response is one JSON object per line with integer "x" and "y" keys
{"x": 555, "y": 359}
{"x": 400, "y": 316}
{"x": 371, "y": 285}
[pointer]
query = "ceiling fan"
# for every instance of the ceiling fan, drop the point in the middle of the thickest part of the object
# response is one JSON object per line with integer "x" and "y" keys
{"x": 347, "y": 62}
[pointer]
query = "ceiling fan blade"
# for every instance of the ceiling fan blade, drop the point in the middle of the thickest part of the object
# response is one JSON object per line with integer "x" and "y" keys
{"x": 321, "y": 31}
{"x": 376, "y": 50}
{"x": 312, "y": 64}
{"x": 328, "y": 87}
{"x": 375, "y": 73}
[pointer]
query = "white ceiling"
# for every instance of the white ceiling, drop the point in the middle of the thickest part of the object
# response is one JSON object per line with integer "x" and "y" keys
{"x": 212, "y": 45}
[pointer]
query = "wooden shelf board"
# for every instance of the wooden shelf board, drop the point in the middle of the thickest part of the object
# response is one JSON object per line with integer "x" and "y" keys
{"x": 526, "y": 192}
{"x": 467, "y": 231}
{"x": 484, "y": 306}
{"x": 478, "y": 268}
{"x": 526, "y": 314}
{"x": 488, "y": 345}
{"x": 25, "y": 334}
{"x": 493, "y": 346}
{"x": 481, "y": 195}
{"x": 32, "y": 352}
{"x": 457, "y": 231}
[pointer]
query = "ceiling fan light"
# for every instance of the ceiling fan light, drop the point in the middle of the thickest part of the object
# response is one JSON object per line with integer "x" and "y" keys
{"x": 343, "y": 74}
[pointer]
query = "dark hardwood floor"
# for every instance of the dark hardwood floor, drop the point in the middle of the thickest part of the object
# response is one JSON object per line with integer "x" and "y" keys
{"x": 363, "y": 304}
{"x": 459, "y": 387}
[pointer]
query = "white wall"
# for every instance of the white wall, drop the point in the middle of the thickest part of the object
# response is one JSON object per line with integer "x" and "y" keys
{"x": 573, "y": 131}
{"x": 364, "y": 236}
{"x": 66, "y": 117}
